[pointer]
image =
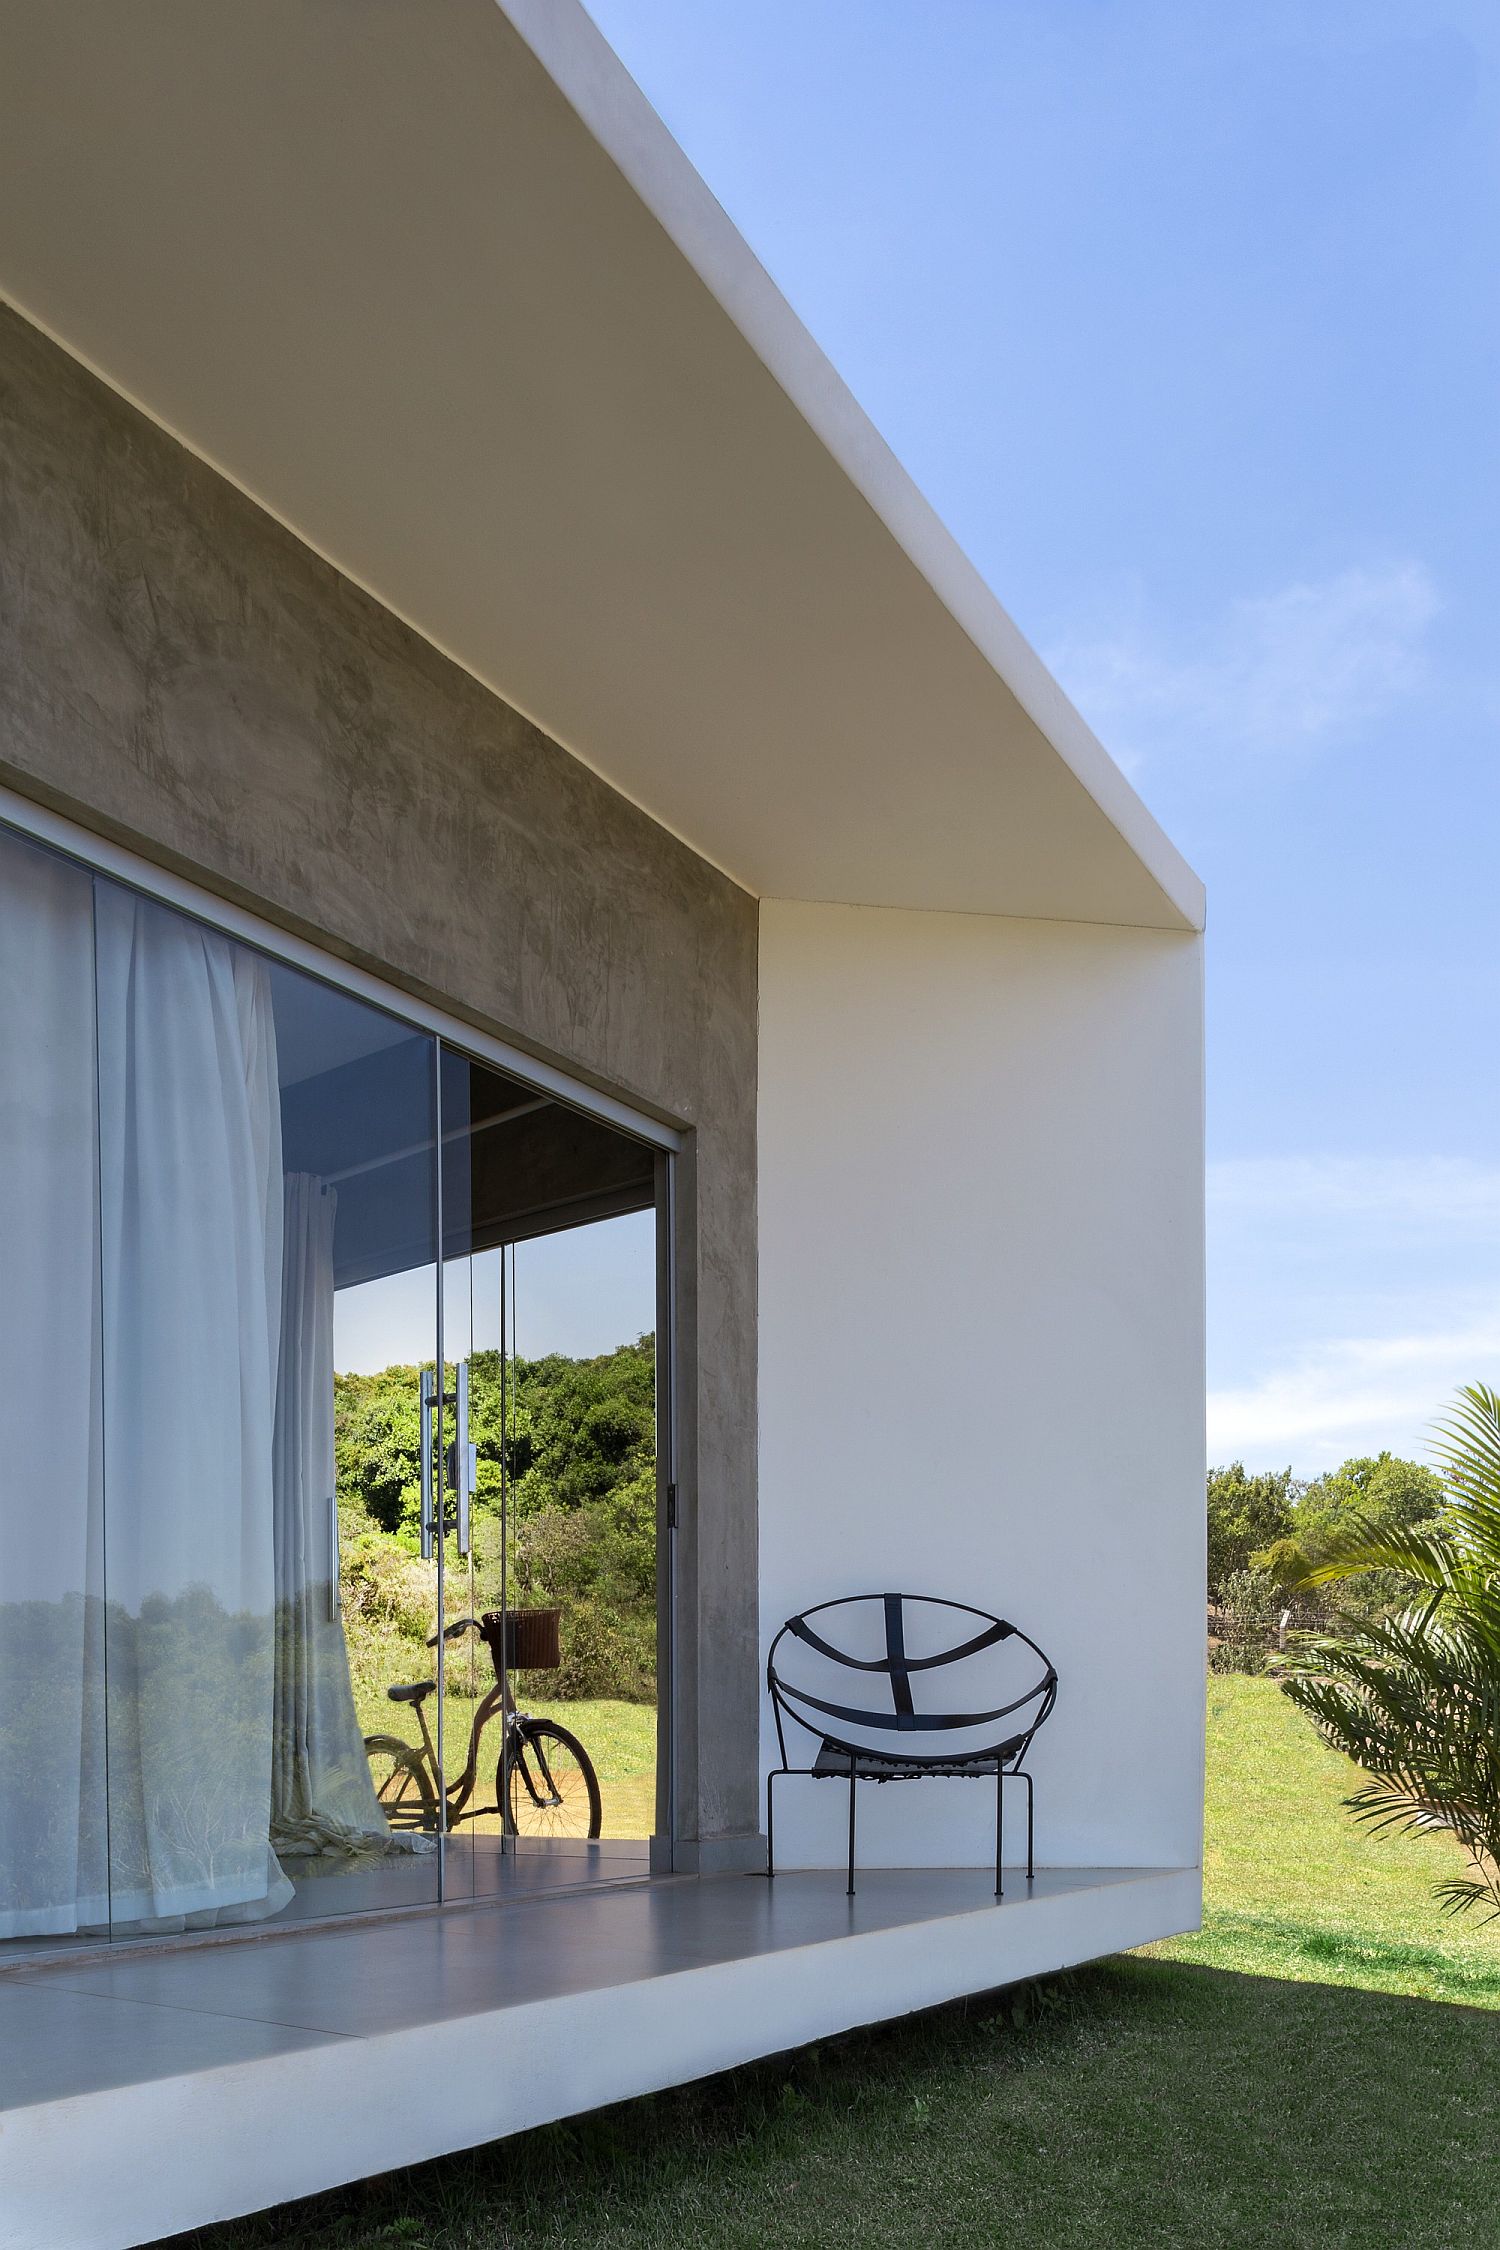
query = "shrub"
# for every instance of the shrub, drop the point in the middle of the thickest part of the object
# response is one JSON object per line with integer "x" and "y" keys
{"x": 603, "y": 1654}
{"x": 1245, "y": 1512}
{"x": 1250, "y": 1611}
{"x": 1413, "y": 1697}
{"x": 388, "y": 1585}
{"x": 573, "y": 1444}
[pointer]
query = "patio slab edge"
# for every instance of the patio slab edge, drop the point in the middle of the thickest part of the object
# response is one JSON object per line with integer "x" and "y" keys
{"x": 84, "y": 2173}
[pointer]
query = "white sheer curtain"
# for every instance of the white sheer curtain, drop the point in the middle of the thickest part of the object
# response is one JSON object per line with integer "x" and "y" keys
{"x": 323, "y": 1798}
{"x": 191, "y": 1253}
{"x": 52, "y": 1833}
{"x": 167, "y": 1551}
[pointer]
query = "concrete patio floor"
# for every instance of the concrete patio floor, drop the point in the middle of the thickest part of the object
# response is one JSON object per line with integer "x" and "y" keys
{"x": 144, "y": 2094}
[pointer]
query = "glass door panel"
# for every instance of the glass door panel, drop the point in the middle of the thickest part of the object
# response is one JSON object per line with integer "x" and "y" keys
{"x": 483, "y": 1111}
{"x": 549, "y": 1527}
{"x": 322, "y": 1337}
{"x": 54, "y": 1881}
{"x": 267, "y": 1163}
{"x": 580, "y": 1305}
{"x": 359, "y": 1105}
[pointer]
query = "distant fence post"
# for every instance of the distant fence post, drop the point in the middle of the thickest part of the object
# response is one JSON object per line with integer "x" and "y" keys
{"x": 1248, "y": 1641}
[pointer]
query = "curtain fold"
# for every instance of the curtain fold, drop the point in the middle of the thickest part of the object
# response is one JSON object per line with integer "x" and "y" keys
{"x": 175, "y": 1696}
{"x": 53, "y": 1877}
{"x": 323, "y": 1798}
{"x": 191, "y": 1254}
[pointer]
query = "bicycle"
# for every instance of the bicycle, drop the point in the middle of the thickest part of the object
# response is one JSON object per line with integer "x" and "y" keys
{"x": 545, "y": 1783}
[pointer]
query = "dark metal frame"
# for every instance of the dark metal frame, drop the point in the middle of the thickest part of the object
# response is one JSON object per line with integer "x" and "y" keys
{"x": 497, "y": 1629}
{"x": 1002, "y": 1758}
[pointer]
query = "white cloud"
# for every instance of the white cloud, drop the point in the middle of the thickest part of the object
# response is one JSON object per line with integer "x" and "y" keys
{"x": 1350, "y": 1395}
{"x": 1279, "y": 674}
{"x": 1349, "y": 1298}
{"x": 1395, "y": 1193}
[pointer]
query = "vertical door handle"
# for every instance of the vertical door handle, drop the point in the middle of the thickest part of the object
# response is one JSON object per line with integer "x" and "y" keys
{"x": 335, "y": 1563}
{"x": 464, "y": 1462}
{"x": 429, "y": 1392}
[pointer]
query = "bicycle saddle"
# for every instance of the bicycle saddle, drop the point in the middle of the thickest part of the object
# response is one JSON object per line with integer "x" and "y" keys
{"x": 413, "y": 1692}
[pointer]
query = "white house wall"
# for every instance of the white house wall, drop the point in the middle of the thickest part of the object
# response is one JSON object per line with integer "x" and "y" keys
{"x": 981, "y": 1341}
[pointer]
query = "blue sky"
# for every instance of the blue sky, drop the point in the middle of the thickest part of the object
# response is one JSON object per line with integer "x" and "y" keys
{"x": 1186, "y": 320}
{"x": 581, "y": 1292}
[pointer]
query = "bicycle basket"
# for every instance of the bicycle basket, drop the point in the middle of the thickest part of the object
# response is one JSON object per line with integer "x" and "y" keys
{"x": 526, "y": 1640}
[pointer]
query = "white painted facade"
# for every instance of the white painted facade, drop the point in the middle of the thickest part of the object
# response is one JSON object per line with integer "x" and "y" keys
{"x": 981, "y": 1340}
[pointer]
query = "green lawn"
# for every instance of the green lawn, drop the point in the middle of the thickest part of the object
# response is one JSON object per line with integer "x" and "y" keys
{"x": 1297, "y": 2078}
{"x": 1297, "y": 1889}
{"x": 620, "y": 1738}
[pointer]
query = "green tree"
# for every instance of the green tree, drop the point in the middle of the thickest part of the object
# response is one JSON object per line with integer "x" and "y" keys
{"x": 378, "y": 1447}
{"x": 1379, "y": 1488}
{"x": 1370, "y": 1492}
{"x": 574, "y": 1442}
{"x": 1245, "y": 1514}
{"x": 1413, "y": 1697}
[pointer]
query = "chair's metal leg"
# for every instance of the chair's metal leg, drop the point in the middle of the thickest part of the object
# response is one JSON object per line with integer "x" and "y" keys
{"x": 850, "y": 1891}
{"x": 1030, "y": 1856}
{"x": 771, "y": 1824}
{"x": 999, "y": 1829}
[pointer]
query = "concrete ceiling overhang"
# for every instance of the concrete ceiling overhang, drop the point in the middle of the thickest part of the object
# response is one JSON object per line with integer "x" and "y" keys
{"x": 431, "y": 282}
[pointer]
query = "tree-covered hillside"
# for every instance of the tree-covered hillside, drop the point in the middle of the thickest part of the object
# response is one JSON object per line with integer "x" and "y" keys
{"x": 1272, "y": 1524}
{"x": 578, "y": 1455}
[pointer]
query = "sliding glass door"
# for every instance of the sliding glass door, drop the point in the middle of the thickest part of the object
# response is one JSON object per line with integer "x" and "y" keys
{"x": 550, "y": 1555}
{"x": 581, "y": 1380}
{"x": 54, "y": 1844}
{"x": 275, "y": 1472}
{"x": 476, "y": 1102}
{"x": 359, "y": 1106}
{"x": 267, "y": 1147}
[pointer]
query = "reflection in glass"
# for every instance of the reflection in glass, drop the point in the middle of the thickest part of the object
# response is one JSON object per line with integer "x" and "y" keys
{"x": 481, "y": 1112}
{"x": 53, "y": 1873}
{"x": 236, "y": 1757}
{"x": 229, "y": 1528}
{"x": 559, "y": 1533}
{"x": 201, "y": 1150}
{"x": 359, "y": 1153}
{"x": 581, "y": 1308}
{"x": 191, "y": 1238}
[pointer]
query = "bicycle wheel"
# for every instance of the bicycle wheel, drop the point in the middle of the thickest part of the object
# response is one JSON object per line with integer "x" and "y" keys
{"x": 554, "y": 1790}
{"x": 402, "y": 1783}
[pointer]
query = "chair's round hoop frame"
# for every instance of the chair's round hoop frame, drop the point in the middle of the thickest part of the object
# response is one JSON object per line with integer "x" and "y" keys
{"x": 785, "y": 1697}
{"x": 1005, "y": 1758}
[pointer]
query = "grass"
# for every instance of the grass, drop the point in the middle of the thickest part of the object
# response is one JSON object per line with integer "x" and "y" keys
{"x": 1299, "y": 2077}
{"x": 1295, "y": 1888}
{"x": 620, "y": 1738}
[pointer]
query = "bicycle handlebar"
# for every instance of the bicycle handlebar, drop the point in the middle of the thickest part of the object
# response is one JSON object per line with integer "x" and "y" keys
{"x": 451, "y": 1632}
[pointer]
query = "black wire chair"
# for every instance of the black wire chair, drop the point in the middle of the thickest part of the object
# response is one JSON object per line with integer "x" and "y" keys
{"x": 894, "y": 1620}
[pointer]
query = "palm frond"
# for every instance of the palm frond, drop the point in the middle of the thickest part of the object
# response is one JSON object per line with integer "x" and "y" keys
{"x": 1413, "y": 1697}
{"x": 1421, "y": 1554}
{"x": 1461, "y": 1894}
{"x": 1467, "y": 1450}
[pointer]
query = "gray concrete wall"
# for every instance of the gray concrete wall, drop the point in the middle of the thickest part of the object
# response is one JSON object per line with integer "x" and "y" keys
{"x": 181, "y": 674}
